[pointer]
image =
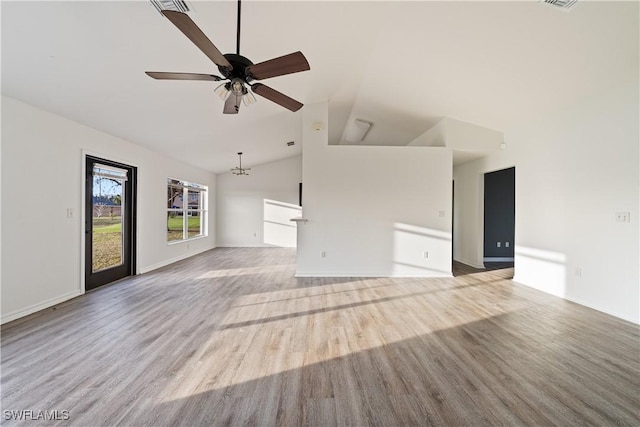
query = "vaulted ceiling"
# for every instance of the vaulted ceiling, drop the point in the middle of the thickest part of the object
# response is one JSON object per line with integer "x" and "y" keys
{"x": 401, "y": 65}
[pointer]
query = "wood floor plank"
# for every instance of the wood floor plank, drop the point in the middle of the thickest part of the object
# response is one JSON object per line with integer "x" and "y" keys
{"x": 231, "y": 337}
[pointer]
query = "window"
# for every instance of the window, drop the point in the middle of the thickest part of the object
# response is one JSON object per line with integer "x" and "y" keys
{"x": 186, "y": 210}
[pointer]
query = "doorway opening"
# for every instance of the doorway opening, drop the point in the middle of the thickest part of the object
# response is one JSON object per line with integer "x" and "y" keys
{"x": 110, "y": 203}
{"x": 499, "y": 218}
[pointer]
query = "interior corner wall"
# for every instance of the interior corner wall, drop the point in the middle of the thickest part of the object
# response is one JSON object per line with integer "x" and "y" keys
{"x": 436, "y": 136}
{"x": 373, "y": 211}
{"x": 574, "y": 170}
{"x": 467, "y": 136}
{"x": 240, "y": 201}
{"x": 42, "y": 164}
{"x": 468, "y": 220}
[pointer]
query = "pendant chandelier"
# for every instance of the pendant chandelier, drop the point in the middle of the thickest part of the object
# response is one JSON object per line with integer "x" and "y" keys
{"x": 240, "y": 170}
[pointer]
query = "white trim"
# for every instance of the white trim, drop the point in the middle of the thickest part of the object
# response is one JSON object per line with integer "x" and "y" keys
{"x": 498, "y": 259}
{"x": 580, "y": 302}
{"x": 39, "y": 306}
{"x": 610, "y": 313}
{"x": 190, "y": 239}
{"x": 251, "y": 245}
{"x": 143, "y": 270}
{"x": 186, "y": 187}
{"x": 356, "y": 275}
{"x": 83, "y": 216}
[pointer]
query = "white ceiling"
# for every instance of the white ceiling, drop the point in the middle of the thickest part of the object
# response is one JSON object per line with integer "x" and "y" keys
{"x": 401, "y": 65}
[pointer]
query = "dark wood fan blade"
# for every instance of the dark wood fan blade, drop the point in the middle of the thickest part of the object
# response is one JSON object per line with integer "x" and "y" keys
{"x": 277, "y": 97}
{"x": 232, "y": 104}
{"x": 191, "y": 30}
{"x": 288, "y": 64}
{"x": 183, "y": 76}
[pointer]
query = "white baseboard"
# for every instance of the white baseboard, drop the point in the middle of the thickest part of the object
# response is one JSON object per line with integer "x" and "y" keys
{"x": 325, "y": 274}
{"x": 365, "y": 275}
{"x": 498, "y": 259}
{"x": 610, "y": 313}
{"x": 252, "y": 245}
{"x": 39, "y": 306}
{"x": 143, "y": 270}
{"x": 242, "y": 245}
{"x": 580, "y": 302}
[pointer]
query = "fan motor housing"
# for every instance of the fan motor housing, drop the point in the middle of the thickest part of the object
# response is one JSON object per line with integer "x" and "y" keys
{"x": 239, "y": 64}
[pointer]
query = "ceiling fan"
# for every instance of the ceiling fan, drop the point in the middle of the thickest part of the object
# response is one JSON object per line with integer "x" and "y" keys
{"x": 238, "y": 70}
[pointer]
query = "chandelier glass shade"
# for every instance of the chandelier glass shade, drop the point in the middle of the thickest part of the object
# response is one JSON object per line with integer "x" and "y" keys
{"x": 236, "y": 87}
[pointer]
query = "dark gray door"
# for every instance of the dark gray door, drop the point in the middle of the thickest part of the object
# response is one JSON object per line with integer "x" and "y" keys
{"x": 109, "y": 221}
{"x": 499, "y": 215}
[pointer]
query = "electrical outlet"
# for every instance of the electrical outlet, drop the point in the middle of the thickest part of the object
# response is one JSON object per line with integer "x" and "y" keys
{"x": 323, "y": 254}
{"x": 623, "y": 216}
{"x": 69, "y": 213}
{"x": 578, "y": 272}
{"x": 506, "y": 244}
{"x": 425, "y": 254}
{"x": 498, "y": 244}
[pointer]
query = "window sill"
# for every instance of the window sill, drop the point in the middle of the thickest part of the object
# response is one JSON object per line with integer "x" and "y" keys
{"x": 177, "y": 242}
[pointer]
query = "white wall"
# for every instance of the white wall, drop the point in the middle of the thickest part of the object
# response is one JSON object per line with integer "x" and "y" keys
{"x": 373, "y": 211}
{"x": 436, "y": 136}
{"x": 42, "y": 164}
{"x": 574, "y": 171}
{"x": 459, "y": 135}
{"x": 468, "y": 213}
{"x": 241, "y": 220}
{"x": 467, "y": 136}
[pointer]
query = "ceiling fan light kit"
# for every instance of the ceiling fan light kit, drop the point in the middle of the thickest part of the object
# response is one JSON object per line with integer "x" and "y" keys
{"x": 238, "y": 70}
{"x": 222, "y": 91}
{"x": 249, "y": 99}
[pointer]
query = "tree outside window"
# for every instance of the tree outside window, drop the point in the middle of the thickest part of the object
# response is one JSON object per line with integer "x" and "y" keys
{"x": 186, "y": 210}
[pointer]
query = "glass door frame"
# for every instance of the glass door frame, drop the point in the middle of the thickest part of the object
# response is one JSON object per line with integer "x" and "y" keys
{"x": 98, "y": 278}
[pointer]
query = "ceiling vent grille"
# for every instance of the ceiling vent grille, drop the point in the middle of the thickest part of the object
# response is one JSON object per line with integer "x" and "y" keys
{"x": 177, "y": 5}
{"x": 561, "y": 4}
{"x": 357, "y": 130}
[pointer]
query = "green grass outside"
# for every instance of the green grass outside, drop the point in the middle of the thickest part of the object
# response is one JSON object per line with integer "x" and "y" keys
{"x": 114, "y": 225}
{"x": 107, "y": 250}
{"x": 114, "y": 228}
{"x": 107, "y": 242}
{"x": 175, "y": 223}
{"x": 107, "y": 238}
{"x": 106, "y": 220}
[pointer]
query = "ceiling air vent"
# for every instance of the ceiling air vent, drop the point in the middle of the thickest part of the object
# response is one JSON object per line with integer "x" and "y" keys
{"x": 357, "y": 130}
{"x": 561, "y": 4}
{"x": 291, "y": 143}
{"x": 177, "y": 5}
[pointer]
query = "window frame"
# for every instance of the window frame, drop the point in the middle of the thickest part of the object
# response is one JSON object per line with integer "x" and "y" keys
{"x": 187, "y": 188}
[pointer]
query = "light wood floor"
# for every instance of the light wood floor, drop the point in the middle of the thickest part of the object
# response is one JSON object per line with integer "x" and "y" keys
{"x": 230, "y": 337}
